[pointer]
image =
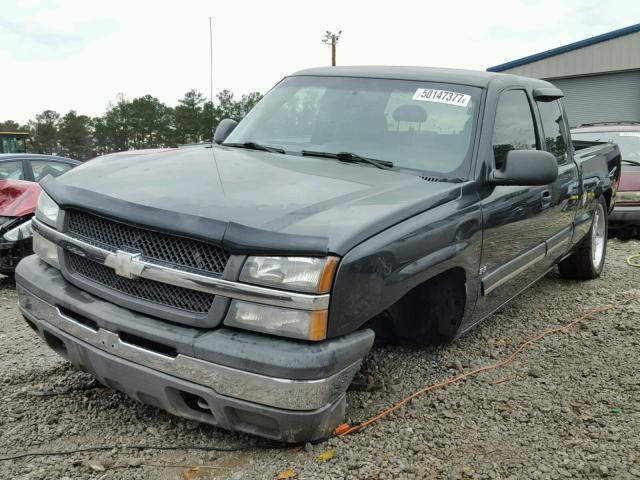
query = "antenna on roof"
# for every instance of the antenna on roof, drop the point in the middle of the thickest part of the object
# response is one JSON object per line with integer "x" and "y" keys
{"x": 213, "y": 118}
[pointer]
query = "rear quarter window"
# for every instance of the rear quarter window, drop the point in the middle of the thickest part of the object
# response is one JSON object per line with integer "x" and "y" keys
{"x": 553, "y": 126}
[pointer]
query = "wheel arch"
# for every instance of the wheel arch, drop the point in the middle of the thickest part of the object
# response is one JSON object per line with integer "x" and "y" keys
{"x": 608, "y": 197}
{"x": 431, "y": 312}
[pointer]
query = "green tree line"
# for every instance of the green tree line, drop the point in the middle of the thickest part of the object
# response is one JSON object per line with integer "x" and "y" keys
{"x": 144, "y": 122}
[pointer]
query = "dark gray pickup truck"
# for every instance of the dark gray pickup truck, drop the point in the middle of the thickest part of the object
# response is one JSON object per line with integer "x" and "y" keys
{"x": 241, "y": 284}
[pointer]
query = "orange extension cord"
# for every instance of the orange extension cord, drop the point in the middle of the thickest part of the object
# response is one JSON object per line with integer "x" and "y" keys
{"x": 345, "y": 429}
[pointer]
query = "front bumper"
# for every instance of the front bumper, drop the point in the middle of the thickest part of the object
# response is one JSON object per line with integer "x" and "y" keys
{"x": 281, "y": 389}
{"x": 624, "y": 217}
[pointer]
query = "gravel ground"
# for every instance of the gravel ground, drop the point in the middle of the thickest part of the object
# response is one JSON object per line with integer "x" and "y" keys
{"x": 566, "y": 408}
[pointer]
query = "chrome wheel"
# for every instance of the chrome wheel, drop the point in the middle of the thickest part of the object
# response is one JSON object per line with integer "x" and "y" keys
{"x": 598, "y": 236}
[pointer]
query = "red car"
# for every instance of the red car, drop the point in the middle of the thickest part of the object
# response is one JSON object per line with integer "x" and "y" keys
{"x": 624, "y": 221}
{"x": 19, "y": 192}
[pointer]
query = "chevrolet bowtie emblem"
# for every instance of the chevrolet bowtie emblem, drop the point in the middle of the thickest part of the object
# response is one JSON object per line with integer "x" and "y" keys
{"x": 124, "y": 264}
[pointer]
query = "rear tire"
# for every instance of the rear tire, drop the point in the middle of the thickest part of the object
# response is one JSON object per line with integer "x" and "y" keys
{"x": 587, "y": 261}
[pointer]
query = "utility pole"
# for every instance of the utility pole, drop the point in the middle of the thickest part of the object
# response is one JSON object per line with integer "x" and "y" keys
{"x": 331, "y": 38}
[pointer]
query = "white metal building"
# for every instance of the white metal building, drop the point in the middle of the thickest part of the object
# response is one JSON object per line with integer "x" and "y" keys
{"x": 600, "y": 76}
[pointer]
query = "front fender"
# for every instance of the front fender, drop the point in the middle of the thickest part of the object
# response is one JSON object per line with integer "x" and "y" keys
{"x": 380, "y": 271}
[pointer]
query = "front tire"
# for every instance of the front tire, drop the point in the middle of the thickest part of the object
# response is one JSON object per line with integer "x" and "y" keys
{"x": 587, "y": 262}
{"x": 432, "y": 312}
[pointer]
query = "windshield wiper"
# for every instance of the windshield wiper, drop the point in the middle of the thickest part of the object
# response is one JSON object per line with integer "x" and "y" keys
{"x": 255, "y": 146}
{"x": 632, "y": 162}
{"x": 349, "y": 157}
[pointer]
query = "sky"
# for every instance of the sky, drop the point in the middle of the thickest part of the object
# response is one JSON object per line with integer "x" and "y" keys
{"x": 79, "y": 55}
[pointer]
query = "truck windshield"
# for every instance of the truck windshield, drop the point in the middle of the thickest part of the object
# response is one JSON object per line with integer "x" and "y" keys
{"x": 419, "y": 126}
{"x": 628, "y": 142}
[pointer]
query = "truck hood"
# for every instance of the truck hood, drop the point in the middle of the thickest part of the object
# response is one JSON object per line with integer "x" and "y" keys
{"x": 286, "y": 194}
{"x": 18, "y": 198}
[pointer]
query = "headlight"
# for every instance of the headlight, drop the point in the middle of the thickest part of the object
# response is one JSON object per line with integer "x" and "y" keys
{"x": 47, "y": 210}
{"x": 301, "y": 274}
{"x": 22, "y": 231}
{"x": 307, "y": 325}
{"x": 46, "y": 250}
{"x": 629, "y": 197}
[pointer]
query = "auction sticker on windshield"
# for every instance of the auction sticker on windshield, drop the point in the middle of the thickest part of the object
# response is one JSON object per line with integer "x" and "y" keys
{"x": 442, "y": 96}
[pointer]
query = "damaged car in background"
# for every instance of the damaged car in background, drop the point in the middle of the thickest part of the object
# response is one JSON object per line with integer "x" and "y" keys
{"x": 18, "y": 198}
{"x": 17, "y": 204}
{"x": 624, "y": 221}
{"x": 242, "y": 284}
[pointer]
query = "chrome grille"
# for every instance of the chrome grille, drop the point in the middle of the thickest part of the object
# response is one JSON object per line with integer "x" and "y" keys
{"x": 178, "y": 252}
{"x": 141, "y": 288}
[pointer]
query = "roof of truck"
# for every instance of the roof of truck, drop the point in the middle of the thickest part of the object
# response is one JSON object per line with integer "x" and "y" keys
{"x": 431, "y": 74}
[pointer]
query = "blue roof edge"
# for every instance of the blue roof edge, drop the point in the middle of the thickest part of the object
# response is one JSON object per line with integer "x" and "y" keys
{"x": 566, "y": 48}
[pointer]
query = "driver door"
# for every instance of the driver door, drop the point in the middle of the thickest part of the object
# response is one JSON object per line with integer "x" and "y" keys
{"x": 514, "y": 233}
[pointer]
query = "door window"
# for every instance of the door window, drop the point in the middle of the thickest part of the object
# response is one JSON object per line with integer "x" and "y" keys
{"x": 42, "y": 168}
{"x": 11, "y": 170}
{"x": 553, "y": 125}
{"x": 514, "y": 128}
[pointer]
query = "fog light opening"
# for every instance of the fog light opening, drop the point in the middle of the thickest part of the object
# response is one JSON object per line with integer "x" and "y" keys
{"x": 32, "y": 325}
{"x": 195, "y": 402}
{"x": 55, "y": 343}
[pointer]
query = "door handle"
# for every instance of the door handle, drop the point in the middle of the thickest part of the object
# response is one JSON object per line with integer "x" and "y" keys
{"x": 545, "y": 198}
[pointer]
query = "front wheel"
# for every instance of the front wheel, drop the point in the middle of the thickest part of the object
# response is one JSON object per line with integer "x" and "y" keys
{"x": 588, "y": 261}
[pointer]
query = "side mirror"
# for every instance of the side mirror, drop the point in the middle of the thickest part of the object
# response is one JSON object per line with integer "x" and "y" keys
{"x": 526, "y": 167}
{"x": 224, "y": 128}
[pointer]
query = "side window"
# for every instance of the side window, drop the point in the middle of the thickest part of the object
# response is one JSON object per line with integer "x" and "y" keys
{"x": 11, "y": 170}
{"x": 514, "y": 128}
{"x": 554, "y": 132}
{"x": 42, "y": 168}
